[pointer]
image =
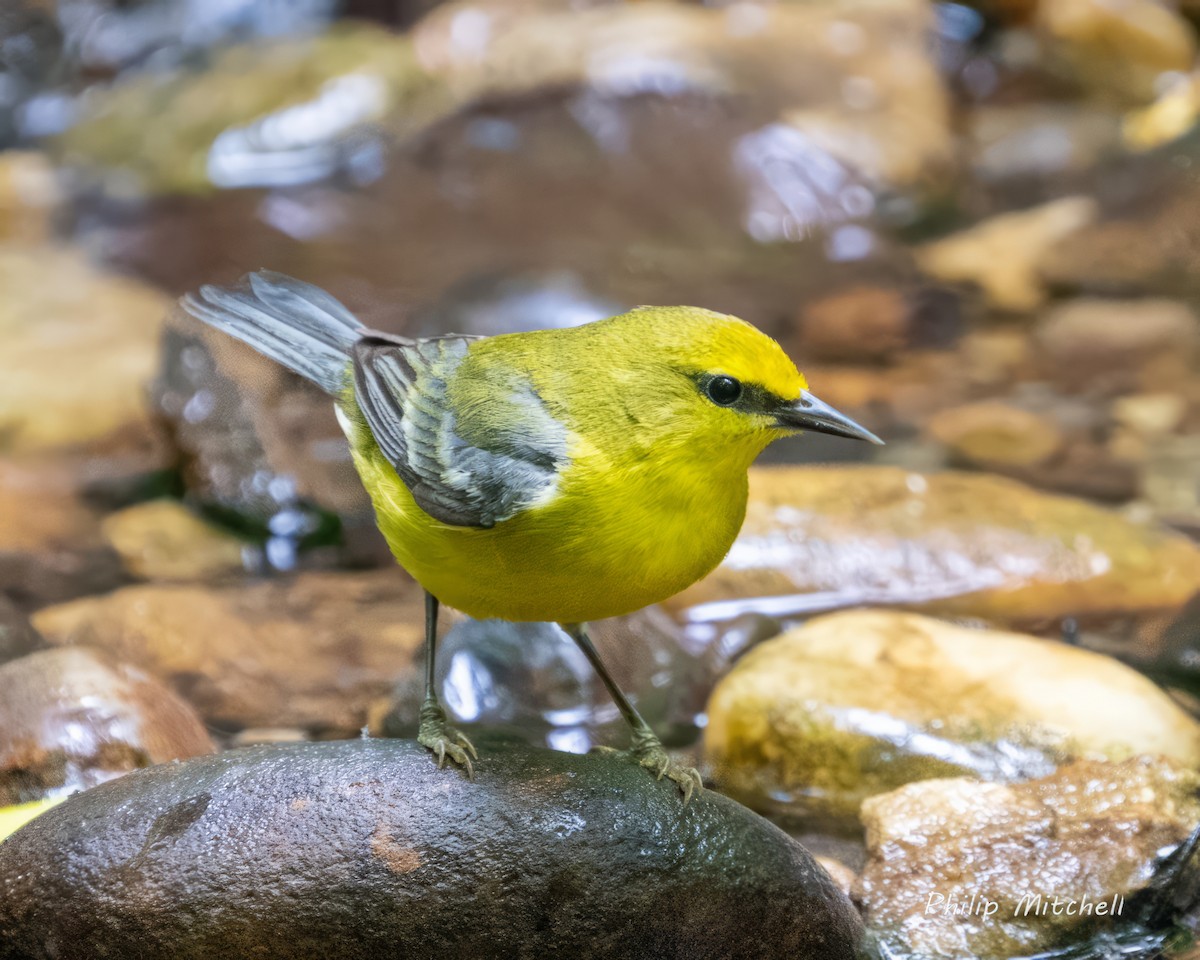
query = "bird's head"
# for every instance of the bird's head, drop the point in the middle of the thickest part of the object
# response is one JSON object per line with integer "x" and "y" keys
{"x": 717, "y": 379}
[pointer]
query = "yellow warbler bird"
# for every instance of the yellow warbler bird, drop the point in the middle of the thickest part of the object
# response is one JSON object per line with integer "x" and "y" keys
{"x": 563, "y": 475}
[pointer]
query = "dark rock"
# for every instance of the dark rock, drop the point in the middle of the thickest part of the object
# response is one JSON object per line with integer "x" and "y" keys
{"x": 17, "y": 635}
{"x": 75, "y": 718}
{"x": 533, "y": 681}
{"x": 364, "y": 849}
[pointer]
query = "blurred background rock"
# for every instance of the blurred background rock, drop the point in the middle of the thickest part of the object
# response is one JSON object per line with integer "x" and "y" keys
{"x": 974, "y": 225}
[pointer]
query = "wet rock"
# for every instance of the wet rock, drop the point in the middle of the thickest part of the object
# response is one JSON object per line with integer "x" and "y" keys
{"x": 163, "y": 540}
{"x": 1002, "y": 255}
{"x": 29, "y": 197}
{"x": 280, "y": 112}
{"x": 532, "y": 680}
{"x": 858, "y": 703}
{"x": 17, "y": 636}
{"x": 1115, "y": 346}
{"x": 256, "y": 442}
{"x": 50, "y": 544}
{"x": 1041, "y": 142}
{"x": 108, "y": 36}
{"x": 1119, "y": 50}
{"x": 964, "y": 869}
{"x": 1170, "y": 117}
{"x": 310, "y": 651}
{"x": 966, "y": 544}
{"x": 857, "y": 324}
{"x": 30, "y": 49}
{"x": 70, "y": 719}
{"x": 364, "y": 849}
{"x": 52, "y": 395}
{"x": 1143, "y": 244}
{"x": 995, "y": 434}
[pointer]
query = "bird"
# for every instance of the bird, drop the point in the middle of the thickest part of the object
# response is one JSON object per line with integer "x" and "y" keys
{"x": 566, "y": 475}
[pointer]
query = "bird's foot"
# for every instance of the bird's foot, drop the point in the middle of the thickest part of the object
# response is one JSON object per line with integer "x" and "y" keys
{"x": 648, "y": 751}
{"x": 443, "y": 740}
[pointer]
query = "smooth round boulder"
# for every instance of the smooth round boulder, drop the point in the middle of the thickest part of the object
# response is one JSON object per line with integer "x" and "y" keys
{"x": 364, "y": 849}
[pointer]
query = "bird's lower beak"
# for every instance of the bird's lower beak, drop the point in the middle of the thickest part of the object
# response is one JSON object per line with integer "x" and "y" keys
{"x": 809, "y": 413}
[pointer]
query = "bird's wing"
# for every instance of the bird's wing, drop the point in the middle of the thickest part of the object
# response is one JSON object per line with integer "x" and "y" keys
{"x": 470, "y": 471}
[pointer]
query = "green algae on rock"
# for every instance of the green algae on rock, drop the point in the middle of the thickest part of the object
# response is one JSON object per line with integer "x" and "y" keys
{"x": 364, "y": 849}
{"x": 823, "y": 538}
{"x": 858, "y": 703}
{"x": 959, "y": 870}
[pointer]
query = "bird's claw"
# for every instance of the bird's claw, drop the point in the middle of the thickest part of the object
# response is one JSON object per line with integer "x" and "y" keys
{"x": 651, "y": 754}
{"x": 443, "y": 740}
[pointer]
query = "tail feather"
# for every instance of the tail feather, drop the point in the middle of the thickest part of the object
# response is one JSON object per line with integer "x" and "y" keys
{"x": 292, "y": 322}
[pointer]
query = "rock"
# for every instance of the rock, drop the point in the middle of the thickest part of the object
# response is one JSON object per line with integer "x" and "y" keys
{"x": 310, "y": 651}
{"x": 163, "y": 540}
{"x": 70, "y": 719}
{"x": 50, "y": 544}
{"x": 52, "y": 396}
{"x": 533, "y": 681}
{"x": 363, "y": 849}
{"x": 1142, "y": 245}
{"x": 963, "y": 544}
{"x": 224, "y": 126}
{"x": 29, "y": 197}
{"x": 17, "y": 636}
{"x": 1119, "y": 50}
{"x": 1150, "y": 415}
{"x": 1003, "y": 254}
{"x": 842, "y": 876}
{"x": 857, "y": 703}
{"x": 1117, "y": 346}
{"x": 962, "y": 869}
{"x": 991, "y": 433}
{"x": 1170, "y": 117}
{"x": 1041, "y": 141}
{"x": 256, "y": 441}
{"x": 858, "y": 324}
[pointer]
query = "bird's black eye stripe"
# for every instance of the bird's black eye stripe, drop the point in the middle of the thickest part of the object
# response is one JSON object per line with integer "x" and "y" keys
{"x": 723, "y": 391}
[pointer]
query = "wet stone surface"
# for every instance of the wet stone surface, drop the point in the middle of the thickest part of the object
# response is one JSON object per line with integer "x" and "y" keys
{"x": 312, "y": 650}
{"x": 817, "y": 539}
{"x": 1092, "y": 833}
{"x": 364, "y": 849}
{"x": 809, "y": 724}
{"x": 70, "y": 719}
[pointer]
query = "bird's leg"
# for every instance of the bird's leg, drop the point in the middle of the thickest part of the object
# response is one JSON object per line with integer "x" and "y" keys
{"x": 646, "y": 748}
{"x": 435, "y": 733}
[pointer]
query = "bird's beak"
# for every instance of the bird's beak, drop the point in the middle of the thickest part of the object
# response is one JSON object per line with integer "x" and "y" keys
{"x": 809, "y": 413}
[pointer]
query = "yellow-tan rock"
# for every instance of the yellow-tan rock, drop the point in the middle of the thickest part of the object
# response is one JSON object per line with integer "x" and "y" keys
{"x": 1002, "y": 255}
{"x": 994, "y": 433}
{"x": 164, "y": 540}
{"x": 962, "y": 869}
{"x": 1119, "y": 50}
{"x": 80, "y": 347}
{"x": 858, "y": 703}
{"x": 824, "y": 538}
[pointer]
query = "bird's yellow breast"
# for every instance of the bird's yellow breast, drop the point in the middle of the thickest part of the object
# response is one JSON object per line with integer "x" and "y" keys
{"x": 610, "y": 540}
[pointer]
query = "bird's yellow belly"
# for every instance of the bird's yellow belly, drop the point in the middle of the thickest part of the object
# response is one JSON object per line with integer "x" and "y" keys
{"x": 577, "y": 558}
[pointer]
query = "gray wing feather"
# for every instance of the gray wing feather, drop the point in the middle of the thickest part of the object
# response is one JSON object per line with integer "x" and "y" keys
{"x": 401, "y": 390}
{"x": 293, "y": 323}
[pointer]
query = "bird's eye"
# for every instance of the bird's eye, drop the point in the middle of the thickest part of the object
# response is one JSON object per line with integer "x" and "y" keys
{"x": 723, "y": 391}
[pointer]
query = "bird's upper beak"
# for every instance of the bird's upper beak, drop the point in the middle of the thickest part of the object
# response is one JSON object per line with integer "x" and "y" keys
{"x": 809, "y": 413}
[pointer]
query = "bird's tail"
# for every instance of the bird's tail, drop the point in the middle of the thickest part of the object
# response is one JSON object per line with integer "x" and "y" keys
{"x": 292, "y": 322}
